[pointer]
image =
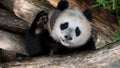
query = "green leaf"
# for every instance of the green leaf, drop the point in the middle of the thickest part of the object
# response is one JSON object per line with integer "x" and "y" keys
{"x": 117, "y": 36}
{"x": 96, "y": 5}
{"x": 113, "y": 4}
{"x": 100, "y": 1}
{"x": 119, "y": 21}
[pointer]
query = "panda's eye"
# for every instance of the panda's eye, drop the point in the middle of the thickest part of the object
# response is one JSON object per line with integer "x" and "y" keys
{"x": 77, "y": 31}
{"x": 64, "y": 26}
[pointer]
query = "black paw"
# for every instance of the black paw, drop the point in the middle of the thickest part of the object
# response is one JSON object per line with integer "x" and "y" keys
{"x": 43, "y": 16}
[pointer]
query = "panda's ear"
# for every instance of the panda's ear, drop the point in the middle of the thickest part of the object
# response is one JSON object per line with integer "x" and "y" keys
{"x": 88, "y": 14}
{"x": 63, "y": 4}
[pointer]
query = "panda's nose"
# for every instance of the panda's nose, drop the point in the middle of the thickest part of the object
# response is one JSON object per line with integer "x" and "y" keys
{"x": 68, "y": 37}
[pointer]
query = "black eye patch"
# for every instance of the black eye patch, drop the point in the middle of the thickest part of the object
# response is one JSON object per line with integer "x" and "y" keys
{"x": 64, "y": 26}
{"x": 77, "y": 31}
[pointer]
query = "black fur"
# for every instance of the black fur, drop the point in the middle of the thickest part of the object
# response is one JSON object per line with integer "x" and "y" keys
{"x": 53, "y": 18}
{"x": 88, "y": 14}
{"x": 33, "y": 41}
{"x": 63, "y": 4}
{"x": 39, "y": 21}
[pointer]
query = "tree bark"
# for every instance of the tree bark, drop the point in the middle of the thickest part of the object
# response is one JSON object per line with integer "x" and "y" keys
{"x": 11, "y": 23}
{"x": 106, "y": 57}
{"x": 26, "y": 9}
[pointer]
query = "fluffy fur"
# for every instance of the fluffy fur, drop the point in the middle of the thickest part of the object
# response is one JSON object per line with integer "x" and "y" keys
{"x": 75, "y": 18}
{"x": 68, "y": 30}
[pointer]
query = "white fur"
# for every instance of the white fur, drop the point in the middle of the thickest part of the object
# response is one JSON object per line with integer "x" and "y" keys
{"x": 75, "y": 18}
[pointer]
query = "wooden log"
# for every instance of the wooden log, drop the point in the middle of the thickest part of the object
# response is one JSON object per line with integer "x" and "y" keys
{"x": 10, "y": 45}
{"x": 26, "y": 9}
{"x": 106, "y": 57}
{"x": 11, "y": 23}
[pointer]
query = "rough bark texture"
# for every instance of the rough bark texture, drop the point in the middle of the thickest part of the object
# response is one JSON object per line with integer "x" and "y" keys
{"x": 11, "y": 23}
{"x": 26, "y": 9}
{"x": 106, "y": 57}
{"x": 12, "y": 44}
{"x": 10, "y": 41}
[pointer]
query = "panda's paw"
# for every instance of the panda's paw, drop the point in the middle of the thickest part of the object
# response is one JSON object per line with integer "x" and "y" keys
{"x": 43, "y": 16}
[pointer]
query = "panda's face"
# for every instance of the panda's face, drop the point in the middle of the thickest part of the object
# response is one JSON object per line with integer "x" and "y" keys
{"x": 68, "y": 33}
{"x": 72, "y": 29}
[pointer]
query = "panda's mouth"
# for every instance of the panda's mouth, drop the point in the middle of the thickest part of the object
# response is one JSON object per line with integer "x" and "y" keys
{"x": 65, "y": 42}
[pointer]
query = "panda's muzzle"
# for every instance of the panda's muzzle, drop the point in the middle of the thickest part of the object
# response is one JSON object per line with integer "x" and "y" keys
{"x": 68, "y": 37}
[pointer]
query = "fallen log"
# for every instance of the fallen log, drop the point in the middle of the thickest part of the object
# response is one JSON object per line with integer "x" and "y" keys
{"x": 106, "y": 57}
{"x": 10, "y": 45}
{"x": 11, "y": 23}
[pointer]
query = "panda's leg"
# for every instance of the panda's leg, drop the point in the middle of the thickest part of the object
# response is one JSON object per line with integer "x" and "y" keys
{"x": 33, "y": 35}
{"x": 38, "y": 23}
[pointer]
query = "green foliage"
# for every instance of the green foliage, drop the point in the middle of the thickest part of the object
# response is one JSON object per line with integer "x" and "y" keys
{"x": 117, "y": 38}
{"x": 113, "y": 6}
{"x": 108, "y": 4}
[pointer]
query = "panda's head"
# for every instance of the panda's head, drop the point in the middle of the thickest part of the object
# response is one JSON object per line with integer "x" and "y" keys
{"x": 71, "y": 27}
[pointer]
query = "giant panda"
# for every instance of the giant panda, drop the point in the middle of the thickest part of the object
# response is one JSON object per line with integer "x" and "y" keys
{"x": 62, "y": 31}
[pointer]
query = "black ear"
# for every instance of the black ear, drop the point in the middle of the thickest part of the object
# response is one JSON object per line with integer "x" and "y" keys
{"x": 63, "y": 4}
{"x": 88, "y": 14}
